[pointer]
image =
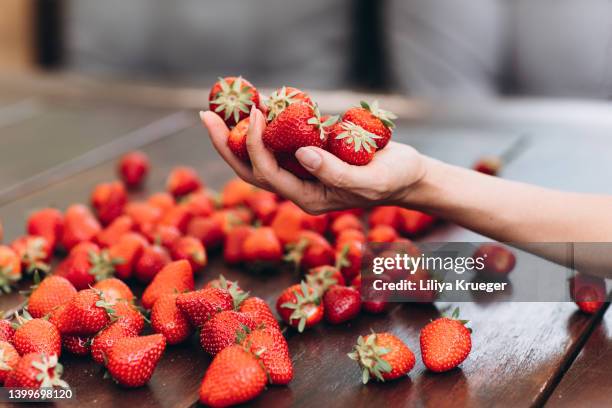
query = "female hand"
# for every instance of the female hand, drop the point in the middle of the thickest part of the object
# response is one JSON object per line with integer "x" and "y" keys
{"x": 387, "y": 179}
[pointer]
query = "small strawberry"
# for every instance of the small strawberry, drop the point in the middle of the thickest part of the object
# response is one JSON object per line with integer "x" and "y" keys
{"x": 151, "y": 261}
{"x": 34, "y": 252}
{"x": 198, "y": 204}
{"x": 182, "y": 181}
{"x": 232, "y": 99}
{"x": 132, "y": 360}
{"x": 113, "y": 290}
{"x": 162, "y": 200}
{"x": 125, "y": 253}
{"x": 201, "y": 305}
{"x": 382, "y": 356}
{"x": 175, "y": 277}
{"x": 8, "y": 359}
{"x": 262, "y": 245}
{"x": 47, "y": 223}
{"x": 7, "y": 331}
{"x": 144, "y": 215}
{"x": 271, "y": 348}
{"x": 382, "y": 233}
{"x": 259, "y": 311}
{"x": 323, "y": 277}
{"x": 310, "y": 250}
{"x": 341, "y": 304}
{"x": 498, "y": 260}
{"x": 209, "y": 230}
{"x": 234, "y": 376}
{"x": 490, "y": 165}
{"x": 236, "y": 192}
{"x": 84, "y": 262}
{"x": 36, "y": 370}
{"x": 234, "y": 241}
{"x": 348, "y": 259}
{"x": 85, "y": 314}
{"x": 76, "y": 345}
{"x": 133, "y": 168}
{"x": 278, "y": 101}
{"x": 53, "y": 291}
{"x": 589, "y": 292}
{"x": 114, "y": 231}
{"x": 374, "y": 120}
{"x": 414, "y": 223}
{"x": 351, "y": 143}
{"x": 300, "y": 306}
{"x": 345, "y": 222}
{"x": 36, "y": 336}
{"x": 169, "y": 320}
{"x": 445, "y": 343}
{"x": 164, "y": 235}
{"x": 80, "y": 225}
{"x": 221, "y": 329}
{"x": 288, "y": 222}
{"x": 10, "y": 268}
{"x": 317, "y": 223}
{"x": 177, "y": 217}
{"x": 192, "y": 250}
{"x": 108, "y": 199}
{"x": 104, "y": 340}
{"x": 384, "y": 215}
{"x": 350, "y": 235}
{"x": 236, "y": 140}
{"x": 264, "y": 205}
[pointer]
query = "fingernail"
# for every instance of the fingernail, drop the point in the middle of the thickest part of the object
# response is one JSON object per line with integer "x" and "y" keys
{"x": 309, "y": 158}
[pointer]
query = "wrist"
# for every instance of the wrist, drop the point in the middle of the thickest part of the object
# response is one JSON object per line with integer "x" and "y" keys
{"x": 427, "y": 192}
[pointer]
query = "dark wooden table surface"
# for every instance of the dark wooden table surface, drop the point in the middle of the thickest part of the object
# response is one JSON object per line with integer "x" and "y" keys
{"x": 53, "y": 151}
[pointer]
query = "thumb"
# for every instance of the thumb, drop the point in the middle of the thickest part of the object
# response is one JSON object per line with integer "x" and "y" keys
{"x": 329, "y": 169}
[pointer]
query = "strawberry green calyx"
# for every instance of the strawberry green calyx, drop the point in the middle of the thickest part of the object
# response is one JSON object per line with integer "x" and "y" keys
{"x": 369, "y": 356}
{"x": 35, "y": 251}
{"x": 50, "y": 372}
{"x": 358, "y": 136}
{"x": 279, "y": 100}
{"x": 104, "y": 304}
{"x": 296, "y": 252}
{"x": 102, "y": 266}
{"x": 386, "y": 117}
{"x": 7, "y": 278}
{"x": 323, "y": 279}
{"x": 233, "y": 98}
{"x": 20, "y": 320}
{"x": 455, "y": 316}
{"x": 303, "y": 305}
{"x": 342, "y": 260}
{"x": 319, "y": 122}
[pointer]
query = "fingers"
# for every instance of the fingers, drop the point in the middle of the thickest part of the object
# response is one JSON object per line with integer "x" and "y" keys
{"x": 329, "y": 169}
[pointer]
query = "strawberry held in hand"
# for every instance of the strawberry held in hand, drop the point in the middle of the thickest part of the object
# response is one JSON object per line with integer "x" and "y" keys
{"x": 132, "y": 360}
{"x": 382, "y": 356}
{"x": 373, "y": 119}
{"x": 352, "y": 143}
{"x": 236, "y": 140}
{"x": 278, "y": 101}
{"x": 445, "y": 343}
{"x": 300, "y": 306}
{"x": 232, "y": 99}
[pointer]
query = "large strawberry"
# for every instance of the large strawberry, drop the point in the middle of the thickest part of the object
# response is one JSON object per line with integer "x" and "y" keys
{"x": 114, "y": 231}
{"x": 232, "y": 98}
{"x": 133, "y": 168}
{"x": 108, "y": 199}
{"x": 8, "y": 359}
{"x": 373, "y": 119}
{"x": 80, "y": 225}
{"x": 51, "y": 292}
{"x": 262, "y": 246}
{"x": 278, "y": 101}
{"x": 310, "y": 250}
{"x": 36, "y": 336}
{"x": 201, "y": 305}
{"x": 113, "y": 290}
{"x": 183, "y": 180}
{"x": 34, "y": 252}
{"x": 259, "y": 311}
{"x": 221, "y": 330}
{"x": 169, "y": 320}
{"x": 341, "y": 304}
{"x": 47, "y": 223}
{"x": 10, "y": 268}
{"x": 103, "y": 341}
{"x": 151, "y": 261}
{"x": 236, "y": 140}
{"x": 352, "y": 143}
{"x": 271, "y": 348}
{"x": 300, "y": 306}
{"x": 234, "y": 376}
{"x": 36, "y": 370}
{"x": 132, "y": 360}
{"x": 192, "y": 250}
{"x": 382, "y": 356}
{"x": 175, "y": 277}
{"x": 86, "y": 313}
{"x": 445, "y": 343}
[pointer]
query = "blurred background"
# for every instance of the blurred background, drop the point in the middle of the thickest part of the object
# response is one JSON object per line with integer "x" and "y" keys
{"x": 431, "y": 48}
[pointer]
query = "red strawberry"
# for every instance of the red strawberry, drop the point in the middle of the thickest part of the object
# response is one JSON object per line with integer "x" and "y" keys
{"x": 351, "y": 143}
{"x": 108, "y": 199}
{"x": 445, "y": 343}
{"x": 264, "y": 205}
{"x": 310, "y": 250}
{"x": 113, "y": 290}
{"x": 490, "y": 165}
{"x": 236, "y": 140}
{"x": 162, "y": 200}
{"x": 201, "y": 305}
{"x": 413, "y": 223}
{"x": 85, "y": 314}
{"x": 10, "y": 268}
{"x": 222, "y": 283}
{"x": 357, "y": 212}
{"x": 125, "y": 253}
{"x": 151, "y": 261}
{"x": 589, "y": 292}
{"x": 382, "y": 233}
{"x": 384, "y": 215}
{"x": 183, "y": 180}
{"x": 104, "y": 340}
{"x": 47, "y": 223}
{"x": 128, "y": 315}
{"x": 271, "y": 348}
{"x": 53, "y": 291}
{"x": 300, "y": 306}
{"x": 144, "y": 215}
{"x": 316, "y": 223}
{"x": 79, "y": 226}
{"x": 348, "y": 259}
{"x": 278, "y": 101}
{"x": 374, "y": 120}
{"x": 175, "y": 277}
{"x": 209, "y": 230}
{"x": 8, "y": 359}
{"x": 164, "y": 235}
{"x": 132, "y": 360}
{"x": 177, "y": 217}
{"x": 382, "y": 356}
{"x": 34, "y": 252}
{"x": 259, "y": 311}
{"x": 349, "y": 235}
{"x": 114, "y": 231}
{"x": 221, "y": 329}
{"x": 345, "y": 222}
{"x": 323, "y": 277}
{"x": 288, "y": 222}
{"x": 234, "y": 376}
{"x": 232, "y": 250}
{"x": 167, "y": 319}
{"x": 198, "y": 204}
{"x": 76, "y": 345}
{"x": 36, "y": 336}
{"x": 236, "y": 192}
{"x": 232, "y": 99}
{"x": 6, "y": 331}
{"x": 36, "y": 370}
{"x": 262, "y": 245}
{"x": 133, "y": 168}
{"x": 498, "y": 260}
{"x": 341, "y": 304}
{"x": 192, "y": 250}
{"x": 84, "y": 263}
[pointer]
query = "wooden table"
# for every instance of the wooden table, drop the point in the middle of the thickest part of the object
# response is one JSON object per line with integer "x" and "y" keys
{"x": 53, "y": 151}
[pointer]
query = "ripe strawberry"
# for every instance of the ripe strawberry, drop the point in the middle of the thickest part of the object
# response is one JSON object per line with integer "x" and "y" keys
{"x": 351, "y": 143}
{"x": 382, "y": 233}
{"x": 132, "y": 360}
{"x": 341, "y": 304}
{"x": 348, "y": 236}
{"x": 236, "y": 140}
{"x": 289, "y": 162}
{"x": 357, "y": 212}
{"x": 263, "y": 204}
{"x": 271, "y": 348}
{"x": 151, "y": 261}
{"x": 113, "y": 290}
{"x": 259, "y": 311}
{"x": 133, "y": 168}
{"x": 490, "y": 165}
{"x": 498, "y": 260}
{"x": 209, "y": 230}
{"x": 125, "y": 253}
{"x": 144, "y": 215}
{"x": 164, "y": 235}
{"x": 104, "y": 340}
{"x": 288, "y": 222}
{"x": 85, "y": 314}
{"x": 114, "y": 231}
{"x": 445, "y": 343}
{"x": 232, "y": 250}
{"x": 162, "y": 200}
{"x": 83, "y": 264}
{"x": 7, "y": 331}
{"x": 221, "y": 329}
{"x": 198, "y": 204}
{"x": 36, "y": 370}
{"x": 384, "y": 215}
{"x": 167, "y": 319}
{"x": 10, "y": 268}
{"x": 128, "y": 315}
{"x": 34, "y": 252}
{"x": 36, "y": 336}
{"x": 53, "y": 291}
{"x": 278, "y": 101}
{"x": 414, "y": 223}
{"x": 79, "y": 226}
{"x": 299, "y": 125}
{"x": 108, "y": 199}
{"x": 235, "y": 193}
{"x": 234, "y": 376}
{"x": 177, "y": 217}
{"x": 310, "y": 250}
{"x": 262, "y": 246}
{"x": 323, "y": 277}
{"x": 175, "y": 277}
{"x": 316, "y": 223}
{"x": 8, "y": 359}
{"x": 382, "y": 356}
{"x": 222, "y": 283}
{"x": 372, "y": 119}
{"x": 232, "y": 98}
{"x": 47, "y": 223}
{"x": 348, "y": 259}
{"x": 201, "y": 305}
{"x": 589, "y": 292}
{"x": 300, "y": 306}
{"x": 183, "y": 180}
{"x": 192, "y": 250}
{"x": 76, "y": 345}
{"x": 345, "y": 222}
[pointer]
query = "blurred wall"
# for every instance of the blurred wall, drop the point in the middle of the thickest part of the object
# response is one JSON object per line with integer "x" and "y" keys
{"x": 16, "y": 35}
